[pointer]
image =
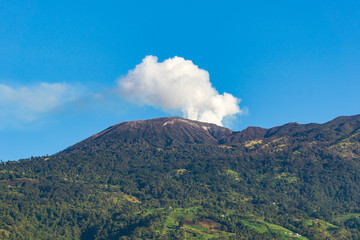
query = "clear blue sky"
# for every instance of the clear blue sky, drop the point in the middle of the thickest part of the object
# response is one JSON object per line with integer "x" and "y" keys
{"x": 296, "y": 61}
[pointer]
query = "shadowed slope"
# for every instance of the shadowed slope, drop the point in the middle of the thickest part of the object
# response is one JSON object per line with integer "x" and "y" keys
{"x": 160, "y": 132}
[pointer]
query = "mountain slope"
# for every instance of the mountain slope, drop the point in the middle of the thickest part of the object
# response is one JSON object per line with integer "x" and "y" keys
{"x": 159, "y": 132}
{"x": 341, "y": 126}
{"x": 173, "y": 178}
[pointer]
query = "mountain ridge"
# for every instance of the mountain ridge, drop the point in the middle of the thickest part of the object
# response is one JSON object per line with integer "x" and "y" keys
{"x": 173, "y": 178}
{"x": 165, "y": 131}
{"x": 173, "y": 129}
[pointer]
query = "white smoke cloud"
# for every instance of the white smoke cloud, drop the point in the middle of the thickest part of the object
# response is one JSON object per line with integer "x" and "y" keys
{"x": 177, "y": 84}
{"x": 28, "y": 102}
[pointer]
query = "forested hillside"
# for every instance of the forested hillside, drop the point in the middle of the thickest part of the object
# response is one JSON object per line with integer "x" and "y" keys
{"x": 173, "y": 178}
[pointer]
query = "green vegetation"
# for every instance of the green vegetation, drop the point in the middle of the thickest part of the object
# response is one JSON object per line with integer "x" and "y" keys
{"x": 180, "y": 183}
{"x": 286, "y": 177}
{"x": 264, "y": 227}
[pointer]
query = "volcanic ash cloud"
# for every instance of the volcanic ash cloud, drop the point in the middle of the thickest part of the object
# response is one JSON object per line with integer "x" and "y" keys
{"x": 177, "y": 84}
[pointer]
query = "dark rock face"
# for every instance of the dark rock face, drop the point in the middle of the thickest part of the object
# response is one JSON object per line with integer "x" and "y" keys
{"x": 160, "y": 132}
{"x": 169, "y": 131}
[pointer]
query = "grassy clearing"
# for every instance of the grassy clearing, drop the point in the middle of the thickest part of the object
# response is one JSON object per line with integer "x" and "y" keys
{"x": 276, "y": 145}
{"x": 261, "y": 226}
{"x": 179, "y": 172}
{"x": 253, "y": 143}
{"x": 187, "y": 221}
{"x": 195, "y": 232}
{"x": 131, "y": 198}
{"x": 4, "y": 233}
{"x": 346, "y": 148}
{"x": 233, "y": 174}
{"x": 325, "y": 228}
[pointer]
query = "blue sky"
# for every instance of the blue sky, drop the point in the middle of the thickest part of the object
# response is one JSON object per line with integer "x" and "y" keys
{"x": 61, "y": 61}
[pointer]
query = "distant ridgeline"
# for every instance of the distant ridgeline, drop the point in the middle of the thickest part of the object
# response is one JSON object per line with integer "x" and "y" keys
{"x": 173, "y": 178}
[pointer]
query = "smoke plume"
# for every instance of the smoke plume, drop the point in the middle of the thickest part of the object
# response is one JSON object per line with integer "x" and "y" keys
{"x": 177, "y": 84}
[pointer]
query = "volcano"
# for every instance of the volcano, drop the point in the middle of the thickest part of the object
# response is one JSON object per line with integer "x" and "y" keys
{"x": 174, "y": 178}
